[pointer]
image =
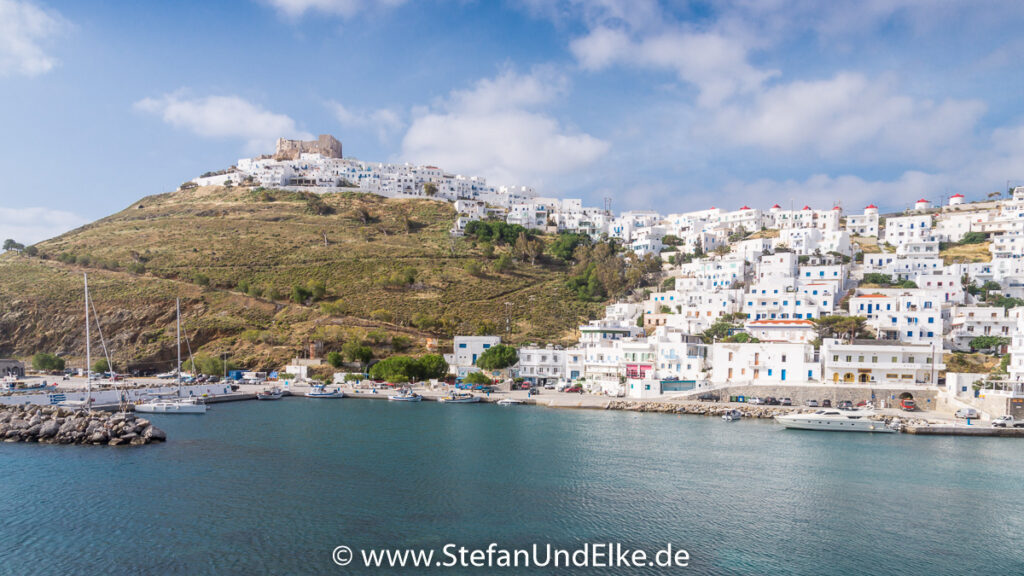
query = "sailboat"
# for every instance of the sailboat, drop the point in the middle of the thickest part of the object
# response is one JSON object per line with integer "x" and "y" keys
{"x": 85, "y": 404}
{"x": 177, "y": 405}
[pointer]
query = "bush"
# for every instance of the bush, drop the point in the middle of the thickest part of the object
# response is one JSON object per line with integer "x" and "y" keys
{"x": 503, "y": 264}
{"x": 300, "y": 294}
{"x": 401, "y": 342}
{"x": 972, "y": 238}
{"x": 356, "y": 352}
{"x": 433, "y": 366}
{"x": 475, "y": 378}
{"x": 100, "y": 365}
{"x": 201, "y": 279}
{"x": 334, "y": 358}
{"x": 474, "y": 268}
{"x": 381, "y": 315}
{"x": 44, "y": 361}
{"x": 396, "y": 369}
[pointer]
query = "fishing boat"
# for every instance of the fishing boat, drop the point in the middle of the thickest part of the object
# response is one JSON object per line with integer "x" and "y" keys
{"x": 509, "y": 402}
{"x": 835, "y": 420}
{"x": 176, "y": 405}
{"x": 274, "y": 393}
{"x": 405, "y": 395}
{"x": 11, "y": 384}
{"x": 320, "y": 391}
{"x": 461, "y": 398}
{"x": 732, "y": 415}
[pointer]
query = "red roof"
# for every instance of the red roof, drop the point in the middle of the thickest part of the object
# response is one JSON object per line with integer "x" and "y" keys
{"x": 836, "y": 208}
{"x": 745, "y": 208}
{"x": 807, "y": 207}
{"x": 777, "y": 206}
{"x": 921, "y": 200}
{"x": 957, "y": 196}
{"x": 871, "y": 206}
{"x": 871, "y": 296}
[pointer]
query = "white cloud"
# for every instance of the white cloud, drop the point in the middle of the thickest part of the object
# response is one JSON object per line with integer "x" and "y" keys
{"x": 25, "y": 29}
{"x": 31, "y": 225}
{"x": 715, "y": 63}
{"x": 848, "y": 115}
{"x": 223, "y": 117}
{"x": 495, "y": 130}
{"x": 383, "y": 122}
{"x": 342, "y": 8}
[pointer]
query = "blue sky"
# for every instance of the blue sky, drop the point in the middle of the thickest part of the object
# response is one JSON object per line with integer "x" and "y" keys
{"x": 671, "y": 106}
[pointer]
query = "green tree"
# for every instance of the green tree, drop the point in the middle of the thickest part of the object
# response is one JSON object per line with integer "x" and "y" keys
{"x": 356, "y": 352}
{"x": 565, "y": 245}
{"x": 973, "y": 238}
{"x": 433, "y": 366}
{"x": 334, "y": 358}
{"x": 47, "y": 362}
{"x": 497, "y": 357}
{"x": 988, "y": 342}
{"x": 430, "y": 189}
{"x": 528, "y": 248}
{"x": 100, "y": 365}
{"x": 10, "y": 244}
{"x": 396, "y": 369}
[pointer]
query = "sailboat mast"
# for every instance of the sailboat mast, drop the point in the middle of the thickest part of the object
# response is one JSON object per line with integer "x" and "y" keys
{"x": 88, "y": 350}
{"x": 177, "y": 313}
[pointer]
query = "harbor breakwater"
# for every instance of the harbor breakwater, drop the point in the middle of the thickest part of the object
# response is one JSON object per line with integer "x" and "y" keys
{"x": 55, "y": 425}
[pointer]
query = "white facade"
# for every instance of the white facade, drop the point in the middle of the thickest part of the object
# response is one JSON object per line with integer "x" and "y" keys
{"x": 467, "y": 349}
{"x": 870, "y": 362}
{"x": 763, "y": 363}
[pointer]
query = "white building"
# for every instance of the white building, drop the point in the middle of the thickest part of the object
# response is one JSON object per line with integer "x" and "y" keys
{"x": 795, "y": 331}
{"x": 763, "y": 363}
{"x": 467, "y": 349}
{"x": 878, "y": 362}
{"x": 865, "y": 224}
{"x": 542, "y": 365}
{"x": 970, "y": 322}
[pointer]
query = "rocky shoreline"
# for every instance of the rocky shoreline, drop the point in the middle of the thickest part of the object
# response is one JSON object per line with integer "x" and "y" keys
{"x": 55, "y": 425}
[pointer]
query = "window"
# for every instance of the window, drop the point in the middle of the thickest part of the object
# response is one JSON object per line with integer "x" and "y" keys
{"x": 462, "y": 345}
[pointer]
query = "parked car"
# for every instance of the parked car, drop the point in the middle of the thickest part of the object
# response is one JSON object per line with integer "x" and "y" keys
{"x": 708, "y": 397}
{"x": 755, "y": 400}
{"x": 812, "y": 403}
{"x": 771, "y": 401}
{"x": 785, "y": 402}
{"x": 845, "y": 405}
{"x": 525, "y": 386}
{"x": 908, "y": 404}
{"x": 1007, "y": 421}
{"x": 549, "y": 386}
{"x": 573, "y": 389}
{"x": 968, "y": 413}
{"x": 826, "y": 403}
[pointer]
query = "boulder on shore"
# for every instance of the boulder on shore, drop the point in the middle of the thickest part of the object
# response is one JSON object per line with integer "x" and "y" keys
{"x": 57, "y": 425}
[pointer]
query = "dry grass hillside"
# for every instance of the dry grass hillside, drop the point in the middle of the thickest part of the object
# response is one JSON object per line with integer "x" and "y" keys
{"x": 236, "y": 257}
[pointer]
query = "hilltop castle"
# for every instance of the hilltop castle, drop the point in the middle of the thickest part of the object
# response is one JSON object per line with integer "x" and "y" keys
{"x": 325, "y": 145}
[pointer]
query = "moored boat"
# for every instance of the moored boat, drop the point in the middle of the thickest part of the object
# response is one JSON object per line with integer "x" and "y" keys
{"x": 405, "y": 395}
{"x": 172, "y": 406}
{"x": 835, "y": 420}
{"x": 509, "y": 402}
{"x": 732, "y": 415}
{"x": 462, "y": 398}
{"x": 274, "y": 393}
{"x": 320, "y": 391}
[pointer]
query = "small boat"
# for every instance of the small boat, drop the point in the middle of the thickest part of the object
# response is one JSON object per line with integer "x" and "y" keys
{"x": 835, "y": 420}
{"x": 320, "y": 391}
{"x": 461, "y": 398}
{"x": 732, "y": 415}
{"x": 405, "y": 395}
{"x": 509, "y": 402}
{"x": 270, "y": 394}
{"x": 175, "y": 406}
{"x": 14, "y": 385}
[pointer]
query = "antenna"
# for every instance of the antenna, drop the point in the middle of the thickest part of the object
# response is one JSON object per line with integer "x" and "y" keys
{"x": 608, "y": 205}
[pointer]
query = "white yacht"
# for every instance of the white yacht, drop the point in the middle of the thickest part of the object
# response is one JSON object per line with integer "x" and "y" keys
{"x": 162, "y": 403}
{"x": 835, "y": 420}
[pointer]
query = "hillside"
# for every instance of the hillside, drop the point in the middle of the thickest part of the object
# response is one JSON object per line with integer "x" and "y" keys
{"x": 235, "y": 257}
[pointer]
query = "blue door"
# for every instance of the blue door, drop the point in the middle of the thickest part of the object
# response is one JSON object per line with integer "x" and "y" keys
{"x": 783, "y": 374}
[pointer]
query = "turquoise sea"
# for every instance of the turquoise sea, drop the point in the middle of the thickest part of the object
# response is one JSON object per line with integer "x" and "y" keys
{"x": 274, "y": 487}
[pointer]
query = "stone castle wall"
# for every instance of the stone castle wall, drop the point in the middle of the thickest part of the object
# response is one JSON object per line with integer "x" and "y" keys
{"x": 325, "y": 145}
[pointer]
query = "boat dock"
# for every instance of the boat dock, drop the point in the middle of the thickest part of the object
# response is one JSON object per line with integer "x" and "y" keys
{"x": 965, "y": 431}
